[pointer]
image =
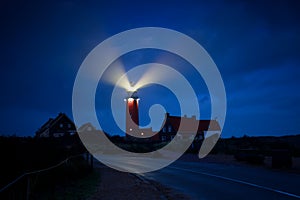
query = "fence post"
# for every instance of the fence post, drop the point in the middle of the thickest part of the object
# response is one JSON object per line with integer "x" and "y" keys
{"x": 92, "y": 161}
{"x": 87, "y": 155}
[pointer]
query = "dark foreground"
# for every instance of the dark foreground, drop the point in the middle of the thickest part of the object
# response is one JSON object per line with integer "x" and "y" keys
{"x": 126, "y": 186}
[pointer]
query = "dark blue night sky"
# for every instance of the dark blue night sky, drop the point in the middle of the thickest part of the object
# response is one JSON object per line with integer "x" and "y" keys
{"x": 256, "y": 46}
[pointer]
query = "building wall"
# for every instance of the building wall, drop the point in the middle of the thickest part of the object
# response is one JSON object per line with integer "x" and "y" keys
{"x": 132, "y": 117}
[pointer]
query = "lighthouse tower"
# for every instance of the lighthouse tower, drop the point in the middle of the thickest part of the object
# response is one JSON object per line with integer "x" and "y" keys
{"x": 132, "y": 114}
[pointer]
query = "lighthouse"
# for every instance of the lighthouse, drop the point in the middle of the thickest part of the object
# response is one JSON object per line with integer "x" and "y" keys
{"x": 132, "y": 114}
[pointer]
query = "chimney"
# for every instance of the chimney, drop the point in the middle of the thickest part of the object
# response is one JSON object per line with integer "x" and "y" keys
{"x": 167, "y": 115}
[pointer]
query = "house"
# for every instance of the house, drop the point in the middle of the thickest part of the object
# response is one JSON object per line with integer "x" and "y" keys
{"x": 60, "y": 126}
{"x": 87, "y": 127}
{"x": 172, "y": 127}
{"x": 183, "y": 127}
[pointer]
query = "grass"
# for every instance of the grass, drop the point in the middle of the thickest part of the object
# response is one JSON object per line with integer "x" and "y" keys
{"x": 81, "y": 188}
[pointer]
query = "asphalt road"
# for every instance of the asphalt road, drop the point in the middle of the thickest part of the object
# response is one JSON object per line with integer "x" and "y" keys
{"x": 224, "y": 181}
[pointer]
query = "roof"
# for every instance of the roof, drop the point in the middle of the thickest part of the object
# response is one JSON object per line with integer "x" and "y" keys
{"x": 87, "y": 127}
{"x": 190, "y": 124}
{"x": 52, "y": 122}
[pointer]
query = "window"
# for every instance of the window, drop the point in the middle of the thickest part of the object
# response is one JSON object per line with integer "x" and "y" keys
{"x": 164, "y": 129}
{"x": 163, "y": 138}
{"x": 58, "y": 134}
{"x": 69, "y": 125}
{"x": 61, "y": 125}
{"x": 169, "y": 128}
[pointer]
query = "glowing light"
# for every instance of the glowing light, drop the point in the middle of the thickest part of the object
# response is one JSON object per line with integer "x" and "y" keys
{"x": 115, "y": 76}
{"x": 152, "y": 74}
{"x": 142, "y": 133}
{"x": 139, "y": 77}
{"x": 130, "y": 99}
{"x": 131, "y": 89}
{"x": 130, "y": 129}
{"x": 136, "y": 78}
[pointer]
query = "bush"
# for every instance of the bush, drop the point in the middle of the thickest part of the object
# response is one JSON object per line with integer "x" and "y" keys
{"x": 250, "y": 156}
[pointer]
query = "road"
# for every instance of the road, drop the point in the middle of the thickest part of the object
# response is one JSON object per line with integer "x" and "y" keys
{"x": 202, "y": 180}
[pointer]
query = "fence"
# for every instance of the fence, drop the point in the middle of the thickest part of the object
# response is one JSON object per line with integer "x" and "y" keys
{"x": 33, "y": 184}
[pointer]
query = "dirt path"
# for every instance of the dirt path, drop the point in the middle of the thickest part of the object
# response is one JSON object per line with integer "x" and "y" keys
{"x": 123, "y": 186}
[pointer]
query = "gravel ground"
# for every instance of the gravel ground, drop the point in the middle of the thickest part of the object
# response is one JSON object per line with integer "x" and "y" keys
{"x": 126, "y": 186}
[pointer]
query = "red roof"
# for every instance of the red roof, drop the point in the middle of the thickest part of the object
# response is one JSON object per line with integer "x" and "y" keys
{"x": 190, "y": 124}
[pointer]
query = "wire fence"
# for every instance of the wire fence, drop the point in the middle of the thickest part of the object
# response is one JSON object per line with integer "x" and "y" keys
{"x": 43, "y": 182}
